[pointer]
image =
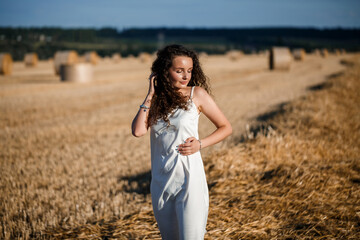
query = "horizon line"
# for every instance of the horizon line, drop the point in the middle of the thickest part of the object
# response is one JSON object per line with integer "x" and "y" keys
{"x": 190, "y": 28}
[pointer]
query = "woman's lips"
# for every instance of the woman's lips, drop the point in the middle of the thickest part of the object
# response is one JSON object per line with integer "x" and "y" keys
{"x": 183, "y": 82}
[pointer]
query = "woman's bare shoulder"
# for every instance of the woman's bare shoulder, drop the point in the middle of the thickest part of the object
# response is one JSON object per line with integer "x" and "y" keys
{"x": 200, "y": 92}
{"x": 201, "y": 97}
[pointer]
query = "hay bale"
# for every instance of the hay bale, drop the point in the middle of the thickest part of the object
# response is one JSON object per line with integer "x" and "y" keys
{"x": 6, "y": 64}
{"x": 154, "y": 55}
{"x": 267, "y": 53}
{"x": 280, "y": 58}
{"x": 324, "y": 53}
{"x": 261, "y": 53}
{"x": 64, "y": 57}
{"x": 203, "y": 55}
{"x": 145, "y": 57}
{"x": 299, "y": 54}
{"x": 106, "y": 59}
{"x": 91, "y": 57}
{"x": 342, "y": 51}
{"x": 116, "y": 57}
{"x": 31, "y": 59}
{"x": 337, "y": 52}
{"x": 234, "y": 55}
{"x": 316, "y": 52}
{"x": 79, "y": 72}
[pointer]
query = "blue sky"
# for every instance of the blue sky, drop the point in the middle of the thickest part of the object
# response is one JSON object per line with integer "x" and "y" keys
{"x": 186, "y": 13}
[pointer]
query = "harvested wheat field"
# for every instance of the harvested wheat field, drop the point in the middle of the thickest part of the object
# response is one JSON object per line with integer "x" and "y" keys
{"x": 71, "y": 169}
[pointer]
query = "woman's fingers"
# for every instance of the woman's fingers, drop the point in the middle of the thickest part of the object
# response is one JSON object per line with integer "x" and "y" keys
{"x": 189, "y": 147}
{"x": 151, "y": 83}
{"x": 190, "y": 139}
{"x": 185, "y": 152}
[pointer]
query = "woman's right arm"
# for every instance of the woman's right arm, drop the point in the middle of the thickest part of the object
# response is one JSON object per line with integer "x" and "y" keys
{"x": 139, "y": 125}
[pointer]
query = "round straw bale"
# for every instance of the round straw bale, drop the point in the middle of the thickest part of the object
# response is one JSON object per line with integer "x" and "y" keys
{"x": 234, "y": 55}
{"x": 79, "y": 72}
{"x": 81, "y": 59}
{"x": 106, "y": 59}
{"x": 31, "y": 59}
{"x": 203, "y": 55}
{"x": 116, "y": 57}
{"x": 154, "y": 55}
{"x": 261, "y": 53}
{"x": 6, "y": 64}
{"x": 91, "y": 57}
{"x": 280, "y": 58}
{"x": 145, "y": 57}
{"x": 343, "y": 51}
{"x": 324, "y": 52}
{"x": 267, "y": 53}
{"x": 316, "y": 52}
{"x": 64, "y": 57}
{"x": 299, "y": 54}
{"x": 337, "y": 52}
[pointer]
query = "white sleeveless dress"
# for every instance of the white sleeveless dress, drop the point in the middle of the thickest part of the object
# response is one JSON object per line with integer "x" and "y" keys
{"x": 179, "y": 190}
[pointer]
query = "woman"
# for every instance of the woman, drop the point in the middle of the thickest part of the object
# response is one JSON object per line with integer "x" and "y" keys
{"x": 178, "y": 93}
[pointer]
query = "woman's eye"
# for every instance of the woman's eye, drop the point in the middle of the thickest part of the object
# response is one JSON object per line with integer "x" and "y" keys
{"x": 178, "y": 71}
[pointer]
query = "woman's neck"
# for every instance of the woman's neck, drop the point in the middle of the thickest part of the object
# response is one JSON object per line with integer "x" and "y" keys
{"x": 185, "y": 91}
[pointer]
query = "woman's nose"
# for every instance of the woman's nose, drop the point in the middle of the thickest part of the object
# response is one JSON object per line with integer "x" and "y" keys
{"x": 186, "y": 75}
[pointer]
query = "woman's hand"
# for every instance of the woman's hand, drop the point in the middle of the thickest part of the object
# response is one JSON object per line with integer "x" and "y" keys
{"x": 151, "y": 84}
{"x": 191, "y": 146}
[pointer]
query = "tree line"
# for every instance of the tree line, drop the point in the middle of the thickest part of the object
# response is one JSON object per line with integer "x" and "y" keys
{"x": 132, "y": 41}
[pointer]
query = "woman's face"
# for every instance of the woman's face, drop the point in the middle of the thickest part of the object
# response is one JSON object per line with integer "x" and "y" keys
{"x": 180, "y": 71}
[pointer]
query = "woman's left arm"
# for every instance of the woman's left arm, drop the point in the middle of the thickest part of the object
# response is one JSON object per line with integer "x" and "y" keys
{"x": 209, "y": 108}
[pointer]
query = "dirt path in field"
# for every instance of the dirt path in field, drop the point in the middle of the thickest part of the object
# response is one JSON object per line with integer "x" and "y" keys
{"x": 72, "y": 142}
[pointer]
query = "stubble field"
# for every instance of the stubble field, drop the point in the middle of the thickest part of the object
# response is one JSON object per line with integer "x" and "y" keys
{"x": 71, "y": 169}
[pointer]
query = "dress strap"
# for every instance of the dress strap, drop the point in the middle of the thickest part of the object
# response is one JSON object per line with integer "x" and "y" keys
{"x": 192, "y": 92}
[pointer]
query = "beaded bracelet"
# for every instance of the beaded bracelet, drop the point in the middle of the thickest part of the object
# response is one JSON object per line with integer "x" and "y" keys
{"x": 143, "y": 106}
{"x": 200, "y": 144}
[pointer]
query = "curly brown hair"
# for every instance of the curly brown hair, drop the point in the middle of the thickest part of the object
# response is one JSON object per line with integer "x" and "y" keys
{"x": 167, "y": 98}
